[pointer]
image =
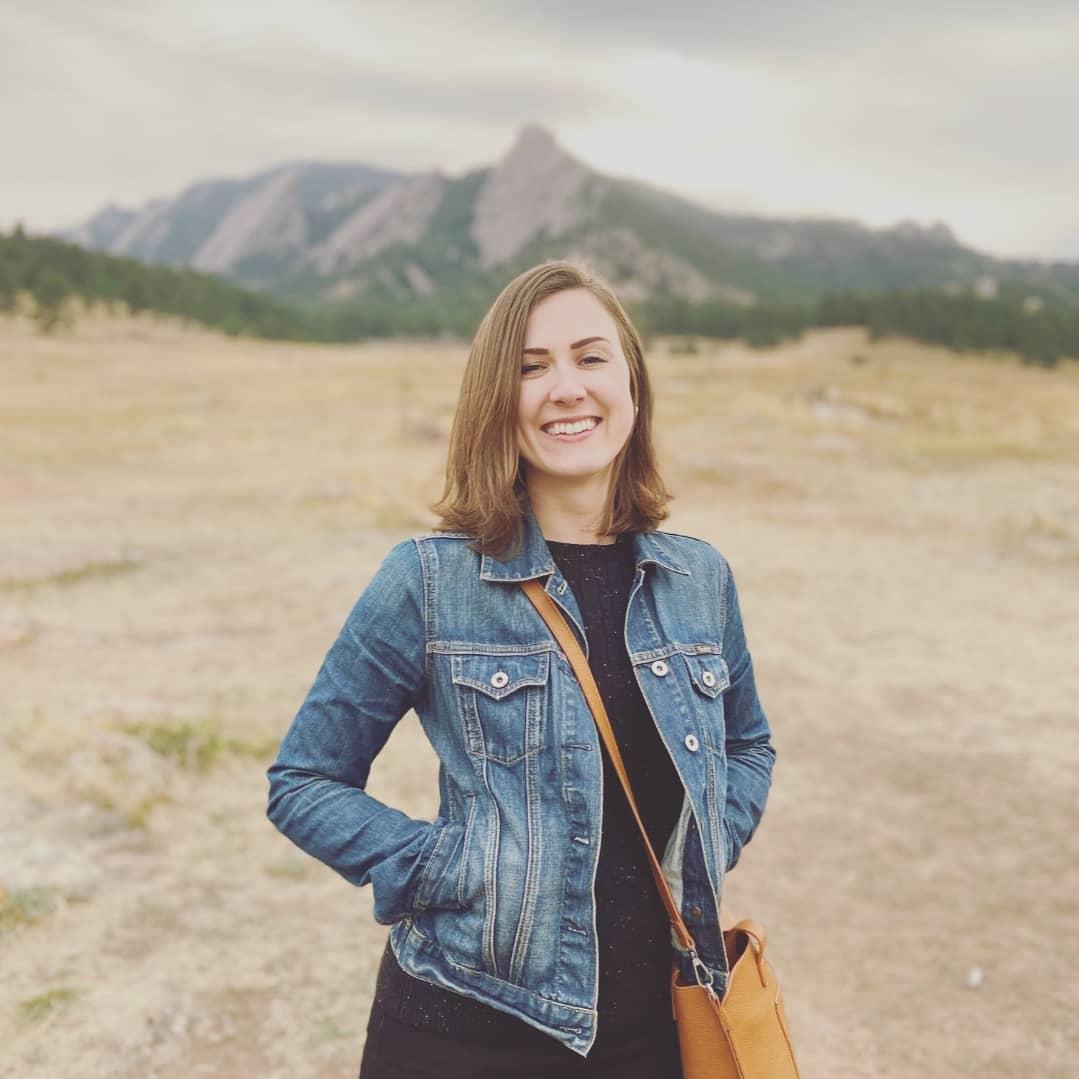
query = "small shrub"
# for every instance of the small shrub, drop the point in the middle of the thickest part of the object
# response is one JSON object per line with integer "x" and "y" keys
{"x": 138, "y": 815}
{"x": 24, "y": 906}
{"x": 74, "y": 575}
{"x": 288, "y": 869}
{"x": 194, "y": 744}
{"x": 37, "y": 1008}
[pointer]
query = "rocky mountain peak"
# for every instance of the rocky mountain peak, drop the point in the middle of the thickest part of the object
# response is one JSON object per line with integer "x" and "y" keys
{"x": 536, "y": 185}
{"x": 399, "y": 214}
{"x": 270, "y": 218}
{"x": 534, "y": 143}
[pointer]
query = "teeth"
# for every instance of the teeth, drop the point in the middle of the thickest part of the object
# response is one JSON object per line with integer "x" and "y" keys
{"x": 570, "y": 428}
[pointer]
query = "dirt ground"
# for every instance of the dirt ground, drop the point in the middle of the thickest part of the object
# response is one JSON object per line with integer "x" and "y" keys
{"x": 187, "y": 519}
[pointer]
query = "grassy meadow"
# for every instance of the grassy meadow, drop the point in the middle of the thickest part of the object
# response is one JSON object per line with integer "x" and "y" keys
{"x": 187, "y": 519}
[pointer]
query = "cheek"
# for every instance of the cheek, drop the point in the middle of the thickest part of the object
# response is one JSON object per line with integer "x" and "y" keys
{"x": 625, "y": 428}
{"x": 524, "y": 442}
{"x": 625, "y": 407}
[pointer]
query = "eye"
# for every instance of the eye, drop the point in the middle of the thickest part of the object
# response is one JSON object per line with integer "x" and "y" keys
{"x": 526, "y": 368}
{"x": 598, "y": 359}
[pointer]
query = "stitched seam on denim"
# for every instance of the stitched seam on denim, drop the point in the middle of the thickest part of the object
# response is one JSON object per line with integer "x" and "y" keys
{"x": 531, "y": 886}
{"x": 490, "y": 870}
{"x": 715, "y": 837}
{"x": 429, "y": 576}
{"x": 454, "y": 648}
{"x": 714, "y": 822}
{"x": 466, "y": 848}
{"x": 470, "y": 716}
{"x": 668, "y": 650}
{"x": 723, "y": 599}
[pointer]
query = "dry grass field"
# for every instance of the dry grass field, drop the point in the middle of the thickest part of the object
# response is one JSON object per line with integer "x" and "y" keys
{"x": 188, "y": 518}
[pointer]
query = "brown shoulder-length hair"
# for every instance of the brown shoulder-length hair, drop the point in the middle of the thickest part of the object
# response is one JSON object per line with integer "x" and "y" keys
{"x": 484, "y": 492}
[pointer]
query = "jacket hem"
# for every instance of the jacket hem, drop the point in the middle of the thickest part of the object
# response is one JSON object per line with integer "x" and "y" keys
{"x": 423, "y": 958}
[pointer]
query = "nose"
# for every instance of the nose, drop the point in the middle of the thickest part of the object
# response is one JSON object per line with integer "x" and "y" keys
{"x": 567, "y": 384}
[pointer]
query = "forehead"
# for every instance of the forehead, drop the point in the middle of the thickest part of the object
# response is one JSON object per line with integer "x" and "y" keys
{"x": 568, "y": 316}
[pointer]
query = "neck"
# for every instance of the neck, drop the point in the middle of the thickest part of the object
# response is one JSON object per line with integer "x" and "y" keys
{"x": 570, "y": 513}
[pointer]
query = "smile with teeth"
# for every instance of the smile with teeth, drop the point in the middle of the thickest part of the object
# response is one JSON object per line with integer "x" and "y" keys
{"x": 577, "y": 427}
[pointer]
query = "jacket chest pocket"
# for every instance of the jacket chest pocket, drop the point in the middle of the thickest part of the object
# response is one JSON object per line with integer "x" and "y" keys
{"x": 710, "y": 678}
{"x": 503, "y": 703}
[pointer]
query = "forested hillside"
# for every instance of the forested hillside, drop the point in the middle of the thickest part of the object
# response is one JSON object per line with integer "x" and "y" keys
{"x": 51, "y": 271}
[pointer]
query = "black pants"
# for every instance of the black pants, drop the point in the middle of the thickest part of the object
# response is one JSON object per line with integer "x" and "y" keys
{"x": 397, "y": 1051}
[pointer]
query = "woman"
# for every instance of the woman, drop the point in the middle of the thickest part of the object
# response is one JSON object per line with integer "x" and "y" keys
{"x": 520, "y": 943}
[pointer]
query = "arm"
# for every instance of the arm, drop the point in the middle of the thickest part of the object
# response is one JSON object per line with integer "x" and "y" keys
{"x": 750, "y": 754}
{"x": 372, "y": 674}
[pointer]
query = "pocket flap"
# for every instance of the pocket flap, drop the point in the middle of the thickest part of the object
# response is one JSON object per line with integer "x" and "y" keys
{"x": 709, "y": 674}
{"x": 499, "y": 676}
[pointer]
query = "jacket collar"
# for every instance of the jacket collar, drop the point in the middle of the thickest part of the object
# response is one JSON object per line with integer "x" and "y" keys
{"x": 534, "y": 559}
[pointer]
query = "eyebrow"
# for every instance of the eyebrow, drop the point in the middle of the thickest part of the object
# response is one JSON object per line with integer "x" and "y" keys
{"x": 576, "y": 344}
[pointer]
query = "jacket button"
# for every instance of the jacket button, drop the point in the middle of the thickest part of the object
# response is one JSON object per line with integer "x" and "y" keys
{"x": 692, "y": 744}
{"x": 695, "y": 912}
{"x": 709, "y": 679}
{"x": 660, "y": 668}
{"x": 499, "y": 679}
{"x": 561, "y": 588}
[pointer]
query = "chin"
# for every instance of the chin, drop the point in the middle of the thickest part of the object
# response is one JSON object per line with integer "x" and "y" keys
{"x": 580, "y": 473}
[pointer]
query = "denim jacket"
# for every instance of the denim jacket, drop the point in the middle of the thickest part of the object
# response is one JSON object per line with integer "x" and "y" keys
{"x": 494, "y": 898}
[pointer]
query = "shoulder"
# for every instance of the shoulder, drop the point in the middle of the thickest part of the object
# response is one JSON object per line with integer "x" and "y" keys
{"x": 698, "y": 554}
{"x": 450, "y": 537}
{"x": 412, "y": 547}
{"x": 423, "y": 556}
{"x": 444, "y": 545}
{"x": 708, "y": 568}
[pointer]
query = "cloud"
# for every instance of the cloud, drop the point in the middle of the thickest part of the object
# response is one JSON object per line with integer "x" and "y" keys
{"x": 960, "y": 111}
{"x": 815, "y": 33}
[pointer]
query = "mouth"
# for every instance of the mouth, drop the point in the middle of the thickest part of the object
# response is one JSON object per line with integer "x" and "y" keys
{"x": 571, "y": 430}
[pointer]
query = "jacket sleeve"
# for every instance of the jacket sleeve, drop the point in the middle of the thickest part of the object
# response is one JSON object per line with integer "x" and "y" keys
{"x": 750, "y": 754}
{"x": 372, "y": 674}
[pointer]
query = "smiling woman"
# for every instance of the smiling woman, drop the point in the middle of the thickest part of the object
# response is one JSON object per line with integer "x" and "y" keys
{"x": 555, "y": 349}
{"x": 574, "y": 414}
{"x": 528, "y": 936}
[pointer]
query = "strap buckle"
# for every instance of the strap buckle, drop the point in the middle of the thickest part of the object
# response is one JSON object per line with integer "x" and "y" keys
{"x": 702, "y": 973}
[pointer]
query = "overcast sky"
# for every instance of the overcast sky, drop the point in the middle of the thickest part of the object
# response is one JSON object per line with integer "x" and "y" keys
{"x": 962, "y": 111}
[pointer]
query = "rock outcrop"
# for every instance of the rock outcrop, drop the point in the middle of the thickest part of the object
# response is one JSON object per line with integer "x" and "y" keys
{"x": 537, "y": 185}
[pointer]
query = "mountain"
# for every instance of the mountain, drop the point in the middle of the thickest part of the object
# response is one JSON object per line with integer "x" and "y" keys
{"x": 313, "y": 231}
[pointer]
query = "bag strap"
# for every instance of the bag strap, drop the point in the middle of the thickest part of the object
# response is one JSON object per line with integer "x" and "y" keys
{"x": 565, "y": 636}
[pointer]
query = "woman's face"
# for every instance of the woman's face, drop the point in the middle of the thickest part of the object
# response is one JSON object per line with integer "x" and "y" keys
{"x": 575, "y": 410}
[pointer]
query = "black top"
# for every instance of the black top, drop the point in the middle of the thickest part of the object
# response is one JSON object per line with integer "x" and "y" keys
{"x": 631, "y": 922}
